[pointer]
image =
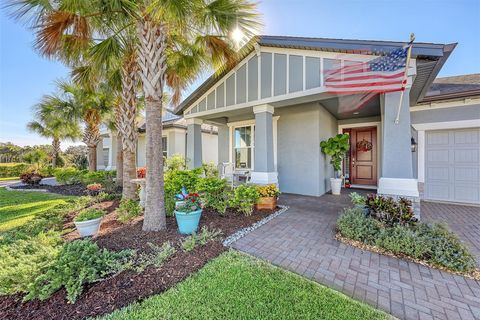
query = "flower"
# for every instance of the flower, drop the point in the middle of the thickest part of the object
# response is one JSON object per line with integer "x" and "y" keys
{"x": 94, "y": 187}
{"x": 141, "y": 172}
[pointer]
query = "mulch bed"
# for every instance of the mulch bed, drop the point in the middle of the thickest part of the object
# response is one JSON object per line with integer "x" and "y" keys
{"x": 66, "y": 190}
{"x": 105, "y": 296}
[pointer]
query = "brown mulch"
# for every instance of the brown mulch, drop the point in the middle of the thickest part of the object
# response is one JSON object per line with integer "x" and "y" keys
{"x": 105, "y": 296}
{"x": 65, "y": 190}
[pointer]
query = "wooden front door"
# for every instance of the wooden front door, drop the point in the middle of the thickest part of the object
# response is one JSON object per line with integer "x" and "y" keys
{"x": 363, "y": 155}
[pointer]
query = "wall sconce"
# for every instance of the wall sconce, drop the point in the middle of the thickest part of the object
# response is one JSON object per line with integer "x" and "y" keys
{"x": 413, "y": 145}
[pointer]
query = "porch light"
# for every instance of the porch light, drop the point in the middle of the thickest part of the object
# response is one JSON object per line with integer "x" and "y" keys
{"x": 413, "y": 145}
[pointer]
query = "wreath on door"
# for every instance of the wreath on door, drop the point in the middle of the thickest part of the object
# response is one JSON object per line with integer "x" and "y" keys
{"x": 364, "y": 145}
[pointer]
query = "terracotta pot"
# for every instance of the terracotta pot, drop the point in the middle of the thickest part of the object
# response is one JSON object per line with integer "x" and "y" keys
{"x": 269, "y": 203}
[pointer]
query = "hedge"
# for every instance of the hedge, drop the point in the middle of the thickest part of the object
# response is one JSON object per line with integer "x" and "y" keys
{"x": 8, "y": 170}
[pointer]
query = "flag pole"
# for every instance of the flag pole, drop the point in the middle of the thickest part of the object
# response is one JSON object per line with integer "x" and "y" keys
{"x": 405, "y": 77}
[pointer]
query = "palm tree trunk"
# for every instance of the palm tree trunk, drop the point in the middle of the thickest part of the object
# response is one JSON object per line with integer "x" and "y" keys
{"x": 55, "y": 151}
{"x": 119, "y": 166}
{"x": 128, "y": 126}
{"x": 91, "y": 137}
{"x": 92, "y": 158}
{"x": 152, "y": 62}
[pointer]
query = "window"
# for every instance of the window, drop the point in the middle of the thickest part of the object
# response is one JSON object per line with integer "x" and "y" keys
{"x": 243, "y": 147}
{"x": 164, "y": 147}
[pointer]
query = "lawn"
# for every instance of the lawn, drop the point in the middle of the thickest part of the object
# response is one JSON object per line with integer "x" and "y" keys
{"x": 236, "y": 286}
{"x": 9, "y": 179}
{"x": 17, "y": 208}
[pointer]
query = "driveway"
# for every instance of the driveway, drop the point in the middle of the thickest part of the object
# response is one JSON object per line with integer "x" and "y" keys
{"x": 302, "y": 240}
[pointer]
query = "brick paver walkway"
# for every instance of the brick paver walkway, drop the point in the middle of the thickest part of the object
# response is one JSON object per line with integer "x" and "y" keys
{"x": 302, "y": 240}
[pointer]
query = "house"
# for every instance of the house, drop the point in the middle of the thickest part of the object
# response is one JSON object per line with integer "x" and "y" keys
{"x": 174, "y": 141}
{"x": 272, "y": 110}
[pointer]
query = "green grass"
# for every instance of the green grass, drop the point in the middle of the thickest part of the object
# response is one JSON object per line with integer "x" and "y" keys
{"x": 10, "y": 164}
{"x": 236, "y": 286}
{"x": 9, "y": 178}
{"x": 17, "y": 208}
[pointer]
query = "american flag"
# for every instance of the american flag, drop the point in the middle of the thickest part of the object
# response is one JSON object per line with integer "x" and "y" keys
{"x": 358, "y": 82}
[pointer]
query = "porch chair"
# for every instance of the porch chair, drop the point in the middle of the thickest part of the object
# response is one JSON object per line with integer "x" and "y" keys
{"x": 226, "y": 171}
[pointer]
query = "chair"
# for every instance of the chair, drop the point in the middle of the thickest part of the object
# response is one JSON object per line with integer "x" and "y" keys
{"x": 227, "y": 172}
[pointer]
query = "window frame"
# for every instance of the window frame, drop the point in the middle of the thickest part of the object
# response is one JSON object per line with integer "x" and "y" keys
{"x": 251, "y": 147}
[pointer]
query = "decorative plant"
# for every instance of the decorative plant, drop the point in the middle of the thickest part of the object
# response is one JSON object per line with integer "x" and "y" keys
{"x": 390, "y": 211}
{"x": 190, "y": 201}
{"x": 89, "y": 214}
{"x": 268, "y": 191}
{"x": 336, "y": 147}
{"x": 244, "y": 198}
{"x": 31, "y": 177}
{"x": 94, "y": 188}
{"x": 357, "y": 199}
{"x": 128, "y": 210}
{"x": 141, "y": 172}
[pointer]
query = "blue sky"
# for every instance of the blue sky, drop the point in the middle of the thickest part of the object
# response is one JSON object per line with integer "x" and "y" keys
{"x": 25, "y": 76}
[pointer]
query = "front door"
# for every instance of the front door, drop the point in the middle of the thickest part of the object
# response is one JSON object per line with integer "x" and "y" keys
{"x": 363, "y": 155}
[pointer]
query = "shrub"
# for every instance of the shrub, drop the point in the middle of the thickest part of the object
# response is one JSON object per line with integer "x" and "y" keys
{"x": 89, "y": 214}
{"x": 156, "y": 257}
{"x": 25, "y": 259}
{"x": 200, "y": 239}
{"x": 12, "y": 170}
{"x": 354, "y": 225}
{"x": 128, "y": 210}
{"x": 432, "y": 243}
{"x": 357, "y": 199}
{"x": 210, "y": 169}
{"x": 175, "y": 162}
{"x": 68, "y": 175}
{"x": 47, "y": 170}
{"x": 36, "y": 156}
{"x": 268, "y": 191}
{"x": 77, "y": 263}
{"x": 31, "y": 177}
{"x": 244, "y": 198}
{"x": 214, "y": 193}
{"x": 105, "y": 178}
{"x": 175, "y": 180}
{"x": 389, "y": 211}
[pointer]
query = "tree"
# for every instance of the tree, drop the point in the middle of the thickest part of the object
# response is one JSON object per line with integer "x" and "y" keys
{"x": 49, "y": 125}
{"x": 175, "y": 39}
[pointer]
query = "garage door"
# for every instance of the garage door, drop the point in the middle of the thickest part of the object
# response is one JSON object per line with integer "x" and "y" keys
{"x": 452, "y": 165}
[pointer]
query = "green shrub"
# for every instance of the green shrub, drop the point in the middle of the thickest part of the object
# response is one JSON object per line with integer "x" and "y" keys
{"x": 200, "y": 239}
{"x": 47, "y": 170}
{"x": 128, "y": 210}
{"x": 354, "y": 225}
{"x": 102, "y": 177}
{"x": 174, "y": 181}
{"x": 244, "y": 198}
{"x": 156, "y": 257}
{"x": 25, "y": 259}
{"x": 210, "y": 169}
{"x": 12, "y": 170}
{"x": 432, "y": 243}
{"x": 214, "y": 193}
{"x": 69, "y": 175}
{"x": 175, "y": 162}
{"x": 89, "y": 214}
{"x": 77, "y": 263}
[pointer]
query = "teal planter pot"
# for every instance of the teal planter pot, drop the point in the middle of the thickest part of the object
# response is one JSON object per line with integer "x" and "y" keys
{"x": 188, "y": 222}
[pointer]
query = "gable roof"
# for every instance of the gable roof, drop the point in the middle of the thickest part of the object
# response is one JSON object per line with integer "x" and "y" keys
{"x": 454, "y": 87}
{"x": 430, "y": 59}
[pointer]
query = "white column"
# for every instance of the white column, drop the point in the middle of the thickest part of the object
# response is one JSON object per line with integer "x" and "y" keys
{"x": 100, "y": 165}
{"x": 264, "y": 160}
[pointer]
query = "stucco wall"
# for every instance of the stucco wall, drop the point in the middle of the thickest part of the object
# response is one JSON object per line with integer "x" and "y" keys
{"x": 210, "y": 148}
{"x": 446, "y": 114}
{"x": 302, "y": 168}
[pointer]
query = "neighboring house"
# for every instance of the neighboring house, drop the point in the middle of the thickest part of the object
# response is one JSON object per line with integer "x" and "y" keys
{"x": 174, "y": 141}
{"x": 272, "y": 110}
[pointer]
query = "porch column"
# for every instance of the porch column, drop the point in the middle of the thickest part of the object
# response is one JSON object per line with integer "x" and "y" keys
{"x": 397, "y": 178}
{"x": 194, "y": 143}
{"x": 264, "y": 163}
{"x": 100, "y": 164}
{"x": 112, "y": 153}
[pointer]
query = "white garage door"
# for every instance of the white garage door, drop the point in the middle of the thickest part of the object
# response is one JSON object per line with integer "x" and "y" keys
{"x": 452, "y": 165}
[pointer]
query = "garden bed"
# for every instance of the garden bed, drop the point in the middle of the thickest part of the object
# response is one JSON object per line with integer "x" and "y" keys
{"x": 66, "y": 190}
{"x": 129, "y": 286}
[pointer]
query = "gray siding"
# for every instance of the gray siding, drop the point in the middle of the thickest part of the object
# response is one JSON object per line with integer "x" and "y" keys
{"x": 202, "y": 106}
{"x": 242, "y": 84}
{"x": 446, "y": 114}
{"x": 253, "y": 79}
{"x": 266, "y": 75}
{"x": 280, "y": 81}
{"x": 230, "y": 90}
{"x": 211, "y": 100}
{"x": 328, "y": 64}
{"x": 220, "y": 96}
{"x": 312, "y": 72}
{"x": 295, "y": 73}
{"x": 300, "y": 130}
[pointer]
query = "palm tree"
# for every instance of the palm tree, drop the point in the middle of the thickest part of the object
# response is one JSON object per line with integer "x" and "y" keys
{"x": 48, "y": 125}
{"x": 175, "y": 39}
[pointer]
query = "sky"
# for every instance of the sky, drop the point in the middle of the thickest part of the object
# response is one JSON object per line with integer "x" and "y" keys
{"x": 25, "y": 76}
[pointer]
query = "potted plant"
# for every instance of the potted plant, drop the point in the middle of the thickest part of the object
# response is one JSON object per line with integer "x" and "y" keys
{"x": 336, "y": 147}
{"x": 88, "y": 221}
{"x": 188, "y": 212}
{"x": 94, "y": 189}
{"x": 268, "y": 195}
